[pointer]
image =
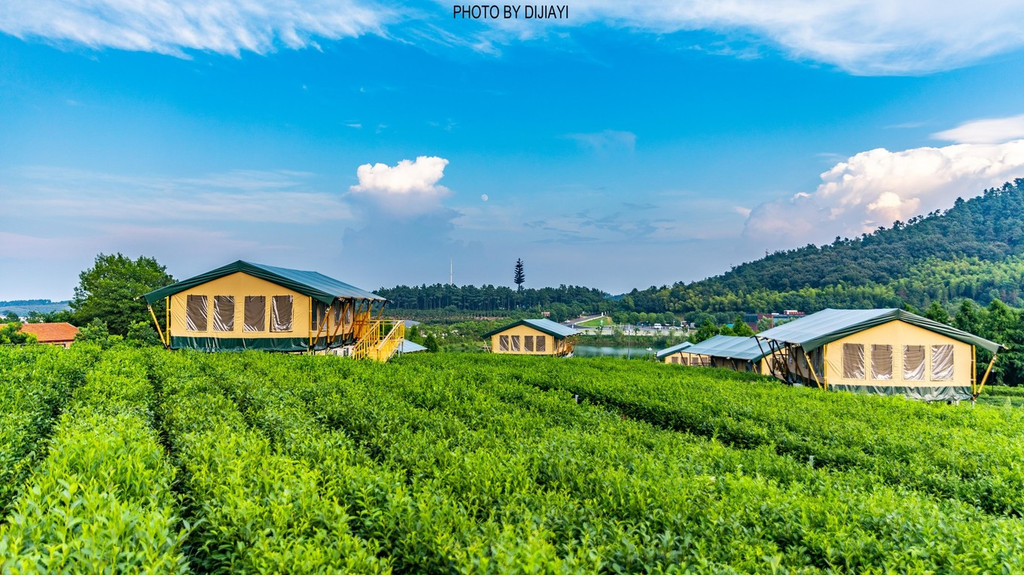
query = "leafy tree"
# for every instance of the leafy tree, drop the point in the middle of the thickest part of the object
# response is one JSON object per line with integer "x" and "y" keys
{"x": 430, "y": 343}
{"x": 141, "y": 333}
{"x": 740, "y": 327}
{"x": 110, "y": 291}
{"x": 10, "y": 333}
{"x": 707, "y": 330}
{"x": 94, "y": 332}
{"x": 937, "y": 313}
{"x": 519, "y": 277}
{"x": 11, "y": 317}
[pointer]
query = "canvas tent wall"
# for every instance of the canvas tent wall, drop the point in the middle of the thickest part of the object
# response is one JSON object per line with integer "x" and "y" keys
{"x": 676, "y": 354}
{"x": 252, "y": 306}
{"x": 533, "y": 337}
{"x": 884, "y": 351}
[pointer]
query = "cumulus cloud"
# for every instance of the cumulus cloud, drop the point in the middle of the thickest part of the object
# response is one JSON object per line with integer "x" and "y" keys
{"x": 407, "y": 189}
{"x": 985, "y": 131}
{"x": 174, "y": 26}
{"x": 877, "y": 187}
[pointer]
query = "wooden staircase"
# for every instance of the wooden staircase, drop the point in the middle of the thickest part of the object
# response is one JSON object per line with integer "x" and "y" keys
{"x": 379, "y": 340}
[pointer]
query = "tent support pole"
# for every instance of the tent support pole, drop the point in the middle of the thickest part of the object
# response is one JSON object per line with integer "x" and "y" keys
{"x": 985, "y": 377}
{"x": 157, "y": 324}
{"x": 340, "y": 320}
{"x": 810, "y": 366}
{"x": 771, "y": 366}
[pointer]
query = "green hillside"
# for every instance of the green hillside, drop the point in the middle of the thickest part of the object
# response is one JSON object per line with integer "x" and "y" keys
{"x": 972, "y": 250}
{"x": 261, "y": 463}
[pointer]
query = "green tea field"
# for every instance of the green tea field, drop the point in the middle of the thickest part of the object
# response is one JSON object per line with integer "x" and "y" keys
{"x": 130, "y": 460}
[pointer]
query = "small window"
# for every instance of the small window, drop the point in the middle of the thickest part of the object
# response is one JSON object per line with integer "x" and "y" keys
{"x": 528, "y": 342}
{"x": 223, "y": 313}
{"x": 853, "y": 361}
{"x": 515, "y": 344}
{"x": 255, "y": 313}
{"x": 502, "y": 343}
{"x": 913, "y": 362}
{"x": 281, "y": 317}
{"x": 195, "y": 313}
{"x": 881, "y": 362}
{"x": 675, "y": 359}
{"x": 942, "y": 362}
{"x": 540, "y": 343}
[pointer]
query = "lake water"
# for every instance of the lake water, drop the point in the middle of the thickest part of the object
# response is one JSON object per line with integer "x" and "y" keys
{"x": 623, "y": 352}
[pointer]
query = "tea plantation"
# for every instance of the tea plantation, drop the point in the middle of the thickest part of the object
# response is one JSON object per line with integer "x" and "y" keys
{"x": 129, "y": 460}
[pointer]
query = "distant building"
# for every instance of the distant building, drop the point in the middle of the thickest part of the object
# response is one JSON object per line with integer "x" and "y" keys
{"x": 61, "y": 334}
{"x": 533, "y": 337}
{"x": 253, "y": 306}
{"x": 883, "y": 351}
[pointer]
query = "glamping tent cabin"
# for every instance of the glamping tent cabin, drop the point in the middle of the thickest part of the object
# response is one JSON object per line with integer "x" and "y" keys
{"x": 884, "y": 351}
{"x": 676, "y": 354}
{"x": 728, "y": 351}
{"x": 533, "y": 337}
{"x": 252, "y": 306}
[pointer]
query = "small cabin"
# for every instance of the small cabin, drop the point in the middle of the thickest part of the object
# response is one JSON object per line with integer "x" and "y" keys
{"x": 61, "y": 334}
{"x": 245, "y": 305}
{"x": 677, "y": 355}
{"x": 533, "y": 337}
{"x": 882, "y": 351}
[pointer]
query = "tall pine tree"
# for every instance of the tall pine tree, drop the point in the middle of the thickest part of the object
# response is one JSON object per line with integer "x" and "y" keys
{"x": 520, "y": 277}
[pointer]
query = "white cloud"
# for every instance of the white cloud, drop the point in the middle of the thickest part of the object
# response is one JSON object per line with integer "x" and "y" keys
{"x": 174, "y": 26}
{"x": 985, "y": 131}
{"x": 409, "y": 188}
{"x": 877, "y": 187}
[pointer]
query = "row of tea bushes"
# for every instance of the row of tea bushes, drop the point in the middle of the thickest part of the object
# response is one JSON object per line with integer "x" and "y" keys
{"x": 102, "y": 499}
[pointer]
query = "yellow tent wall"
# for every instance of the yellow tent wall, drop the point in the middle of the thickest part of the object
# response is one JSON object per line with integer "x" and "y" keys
{"x": 899, "y": 334}
{"x": 552, "y": 346}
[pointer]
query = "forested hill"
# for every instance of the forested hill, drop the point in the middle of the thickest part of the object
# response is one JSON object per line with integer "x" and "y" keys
{"x": 973, "y": 250}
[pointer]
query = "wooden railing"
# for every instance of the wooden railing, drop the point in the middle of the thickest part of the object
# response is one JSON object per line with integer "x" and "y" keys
{"x": 379, "y": 340}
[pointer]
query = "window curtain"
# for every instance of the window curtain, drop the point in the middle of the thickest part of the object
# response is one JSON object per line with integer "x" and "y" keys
{"x": 195, "y": 313}
{"x": 528, "y": 342}
{"x": 942, "y": 362}
{"x": 502, "y": 343}
{"x": 515, "y": 343}
{"x": 913, "y": 362}
{"x": 540, "y": 342}
{"x": 853, "y": 361}
{"x": 881, "y": 362}
{"x": 255, "y": 313}
{"x": 223, "y": 313}
{"x": 282, "y": 313}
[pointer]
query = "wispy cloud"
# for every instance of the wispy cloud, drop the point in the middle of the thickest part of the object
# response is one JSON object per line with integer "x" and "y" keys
{"x": 985, "y": 131}
{"x": 606, "y": 141}
{"x": 176, "y": 26}
{"x": 236, "y": 196}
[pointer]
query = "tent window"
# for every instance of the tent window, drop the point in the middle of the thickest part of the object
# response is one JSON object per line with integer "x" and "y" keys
{"x": 502, "y": 343}
{"x": 942, "y": 362}
{"x": 255, "y": 313}
{"x": 913, "y": 362}
{"x": 282, "y": 313}
{"x": 319, "y": 312}
{"x": 853, "y": 361}
{"x": 881, "y": 362}
{"x": 541, "y": 342}
{"x": 675, "y": 359}
{"x": 337, "y": 313}
{"x": 223, "y": 313}
{"x": 528, "y": 342}
{"x": 515, "y": 343}
{"x": 195, "y": 313}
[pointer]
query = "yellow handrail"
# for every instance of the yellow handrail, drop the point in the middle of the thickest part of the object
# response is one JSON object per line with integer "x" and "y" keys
{"x": 377, "y": 345}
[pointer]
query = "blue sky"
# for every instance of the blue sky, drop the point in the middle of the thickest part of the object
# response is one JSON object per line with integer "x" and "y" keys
{"x": 627, "y": 145}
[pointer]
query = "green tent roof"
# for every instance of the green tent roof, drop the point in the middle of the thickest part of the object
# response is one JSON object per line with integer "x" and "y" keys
{"x": 312, "y": 284}
{"x": 730, "y": 347}
{"x": 547, "y": 326}
{"x": 815, "y": 330}
{"x": 673, "y": 349}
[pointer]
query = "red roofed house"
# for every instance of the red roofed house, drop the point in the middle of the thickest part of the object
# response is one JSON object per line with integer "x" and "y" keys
{"x": 61, "y": 334}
